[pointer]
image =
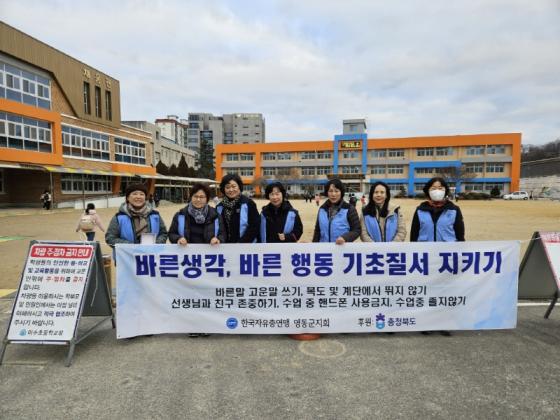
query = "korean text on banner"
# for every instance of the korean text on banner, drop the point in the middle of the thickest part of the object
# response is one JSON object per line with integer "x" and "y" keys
{"x": 323, "y": 288}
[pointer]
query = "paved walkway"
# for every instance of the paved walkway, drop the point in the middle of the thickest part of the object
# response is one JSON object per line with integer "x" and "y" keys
{"x": 513, "y": 374}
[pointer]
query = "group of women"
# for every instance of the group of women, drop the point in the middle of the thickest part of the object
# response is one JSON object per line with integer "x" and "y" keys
{"x": 236, "y": 218}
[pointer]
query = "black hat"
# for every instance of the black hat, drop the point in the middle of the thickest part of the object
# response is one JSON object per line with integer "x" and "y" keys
{"x": 135, "y": 187}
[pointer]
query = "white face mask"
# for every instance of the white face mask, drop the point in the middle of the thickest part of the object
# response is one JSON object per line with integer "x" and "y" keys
{"x": 437, "y": 195}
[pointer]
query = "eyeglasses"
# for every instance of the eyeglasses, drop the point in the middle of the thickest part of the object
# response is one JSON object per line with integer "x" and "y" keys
{"x": 199, "y": 197}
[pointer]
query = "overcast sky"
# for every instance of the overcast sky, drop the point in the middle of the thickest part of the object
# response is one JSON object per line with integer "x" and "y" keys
{"x": 411, "y": 68}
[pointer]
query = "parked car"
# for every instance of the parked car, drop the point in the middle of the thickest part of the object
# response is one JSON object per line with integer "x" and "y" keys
{"x": 517, "y": 195}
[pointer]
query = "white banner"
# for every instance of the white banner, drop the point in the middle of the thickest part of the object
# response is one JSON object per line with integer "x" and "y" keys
{"x": 316, "y": 287}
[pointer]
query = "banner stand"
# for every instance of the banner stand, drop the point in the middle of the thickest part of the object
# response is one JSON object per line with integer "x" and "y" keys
{"x": 59, "y": 277}
{"x": 552, "y": 304}
{"x": 539, "y": 271}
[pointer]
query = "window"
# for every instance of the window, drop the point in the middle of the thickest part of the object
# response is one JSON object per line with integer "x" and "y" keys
{"x": 395, "y": 169}
{"x": 284, "y": 156}
{"x": 347, "y": 169}
{"x": 489, "y": 186}
{"x": 25, "y": 133}
{"x": 108, "y": 107}
{"x": 425, "y": 151}
{"x": 308, "y": 171}
{"x": 232, "y": 171}
{"x": 472, "y": 186}
{"x": 84, "y": 143}
{"x": 377, "y": 170}
{"x": 397, "y": 188}
{"x": 232, "y": 157}
{"x": 24, "y": 86}
{"x": 324, "y": 155}
{"x": 496, "y": 149}
{"x": 308, "y": 155}
{"x": 396, "y": 153}
{"x": 378, "y": 154}
{"x": 97, "y": 101}
{"x": 130, "y": 151}
{"x": 419, "y": 188}
{"x": 284, "y": 171}
{"x": 269, "y": 171}
{"x": 475, "y": 150}
{"x": 87, "y": 103}
{"x": 444, "y": 151}
{"x": 425, "y": 171}
{"x": 323, "y": 170}
{"x": 269, "y": 156}
{"x": 76, "y": 183}
{"x": 350, "y": 155}
{"x": 247, "y": 156}
{"x": 246, "y": 171}
{"x": 494, "y": 167}
{"x": 474, "y": 168}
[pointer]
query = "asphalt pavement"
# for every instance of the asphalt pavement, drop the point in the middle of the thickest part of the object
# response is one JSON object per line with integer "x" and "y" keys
{"x": 472, "y": 374}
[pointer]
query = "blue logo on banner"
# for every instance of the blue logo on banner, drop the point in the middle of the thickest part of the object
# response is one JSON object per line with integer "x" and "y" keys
{"x": 22, "y": 333}
{"x": 231, "y": 323}
{"x": 380, "y": 321}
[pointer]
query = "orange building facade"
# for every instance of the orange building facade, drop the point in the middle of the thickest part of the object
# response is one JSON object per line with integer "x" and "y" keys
{"x": 60, "y": 127}
{"x": 478, "y": 162}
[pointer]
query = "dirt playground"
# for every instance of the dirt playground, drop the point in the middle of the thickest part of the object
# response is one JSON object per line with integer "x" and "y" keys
{"x": 484, "y": 221}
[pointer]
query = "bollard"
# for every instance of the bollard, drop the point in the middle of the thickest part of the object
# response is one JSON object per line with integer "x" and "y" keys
{"x": 108, "y": 268}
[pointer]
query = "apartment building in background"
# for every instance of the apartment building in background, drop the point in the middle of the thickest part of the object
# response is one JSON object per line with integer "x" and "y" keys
{"x": 478, "y": 162}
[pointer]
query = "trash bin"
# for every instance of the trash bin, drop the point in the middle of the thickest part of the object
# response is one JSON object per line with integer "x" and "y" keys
{"x": 108, "y": 268}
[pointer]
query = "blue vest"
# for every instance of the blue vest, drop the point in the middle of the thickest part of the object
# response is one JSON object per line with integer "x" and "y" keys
{"x": 181, "y": 227}
{"x": 127, "y": 232}
{"x": 288, "y": 226}
{"x": 374, "y": 230}
{"x": 243, "y": 217}
{"x": 443, "y": 231}
{"x": 332, "y": 229}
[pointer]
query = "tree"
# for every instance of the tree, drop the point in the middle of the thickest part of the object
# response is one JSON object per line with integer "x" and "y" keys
{"x": 260, "y": 182}
{"x": 182, "y": 167}
{"x": 456, "y": 174}
{"x": 495, "y": 191}
{"x": 545, "y": 151}
{"x": 161, "y": 168}
{"x": 205, "y": 161}
{"x": 173, "y": 170}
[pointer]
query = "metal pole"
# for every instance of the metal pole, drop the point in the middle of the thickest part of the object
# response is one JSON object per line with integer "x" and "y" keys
{"x": 52, "y": 190}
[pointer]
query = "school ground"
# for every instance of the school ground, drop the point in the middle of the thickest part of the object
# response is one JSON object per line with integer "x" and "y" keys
{"x": 472, "y": 374}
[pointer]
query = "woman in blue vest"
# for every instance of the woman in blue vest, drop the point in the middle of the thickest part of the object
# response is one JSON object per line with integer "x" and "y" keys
{"x": 438, "y": 219}
{"x": 337, "y": 221}
{"x": 135, "y": 217}
{"x": 197, "y": 223}
{"x": 381, "y": 220}
{"x": 239, "y": 213}
{"x": 280, "y": 222}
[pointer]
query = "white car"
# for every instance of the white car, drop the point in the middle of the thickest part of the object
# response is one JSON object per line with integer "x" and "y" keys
{"x": 517, "y": 195}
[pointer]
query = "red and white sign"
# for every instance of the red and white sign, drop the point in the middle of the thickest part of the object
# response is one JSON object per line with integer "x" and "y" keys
{"x": 50, "y": 295}
{"x": 551, "y": 243}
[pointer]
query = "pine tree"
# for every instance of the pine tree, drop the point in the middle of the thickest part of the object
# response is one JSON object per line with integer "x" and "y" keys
{"x": 205, "y": 161}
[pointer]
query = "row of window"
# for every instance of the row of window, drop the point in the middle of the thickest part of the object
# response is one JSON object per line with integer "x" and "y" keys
{"x": 306, "y": 171}
{"x": 97, "y": 102}
{"x": 130, "y": 151}
{"x": 469, "y": 168}
{"x": 23, "y": 86}
{"x": 77, "y": 183}
{"x": 24, "y": 133}
{"x": 233, "y": 157}
{"x": 84, "y": 143}
{"x": 376, "y": 154}
{"x": 240, "y": 171}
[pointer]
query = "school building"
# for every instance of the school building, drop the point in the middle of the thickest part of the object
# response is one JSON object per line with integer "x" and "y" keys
{"x": 470, "y": 162}
{"x": 60, "y": 128}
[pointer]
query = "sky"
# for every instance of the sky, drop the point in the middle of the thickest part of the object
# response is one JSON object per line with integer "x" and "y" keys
{"x": 410, "y": 68}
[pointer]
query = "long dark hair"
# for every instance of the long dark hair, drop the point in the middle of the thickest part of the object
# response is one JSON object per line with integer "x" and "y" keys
{"x": 371, "y": 208}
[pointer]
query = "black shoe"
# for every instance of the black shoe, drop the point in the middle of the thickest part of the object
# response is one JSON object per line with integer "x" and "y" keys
{"x": 445, "y": 333}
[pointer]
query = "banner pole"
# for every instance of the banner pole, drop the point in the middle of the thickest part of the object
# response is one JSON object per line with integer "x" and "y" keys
{"x": 551, "y": 306}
